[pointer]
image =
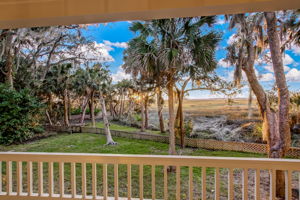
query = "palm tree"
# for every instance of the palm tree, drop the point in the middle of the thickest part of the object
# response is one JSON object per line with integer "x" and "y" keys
{"x": 140, "y": 59}
{"x": 100, "y": 81}
{"x": 59, "y": 79}
{"x": 81, "y": 88}
{"x": 179, "y": 44}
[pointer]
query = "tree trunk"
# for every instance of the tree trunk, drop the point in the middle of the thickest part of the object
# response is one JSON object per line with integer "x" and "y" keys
{"x": 66, "y": 115}
{"x": 109, "y": 140}
{"x": 116, "y": 116}
{"x": 250, "y": 108}
{"x": 112, "y": 110}
{"x": 271, "y": 132}
{"x": 283, "y": 144}
{"x": 179, "y": 121}
{"x": 92, "y": 109}
{"x": 49, "y": 118}
{"x": 160, "y": 110}
{"x": 146, "y": 112}
{"x": 283, "y": 91}
{"x": 142, "y": 114}
{"x": 121, "y": 106}
{"x": 9, "y": 61}
{"x": 50, "y": 108}
{"x": 170, "y": 86}
{"x": 69, "y": 106}
{"x": 83, "y": 109}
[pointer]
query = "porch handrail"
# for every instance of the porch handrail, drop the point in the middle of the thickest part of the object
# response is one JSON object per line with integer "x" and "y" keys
{"x": 16, "y": 161}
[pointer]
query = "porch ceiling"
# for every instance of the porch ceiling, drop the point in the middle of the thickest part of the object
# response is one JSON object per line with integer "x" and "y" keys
{"x": 26, "y": 13}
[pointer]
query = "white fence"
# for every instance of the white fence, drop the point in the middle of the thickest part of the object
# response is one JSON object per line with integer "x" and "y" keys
{"x": 104, "y": 176}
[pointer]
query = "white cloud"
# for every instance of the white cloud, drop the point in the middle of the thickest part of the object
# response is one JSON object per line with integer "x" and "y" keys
{"x": 123, "y": 45}
{"x": 223, "y": 63}
{"x": 270, "y": 68}
{"x": 266, "y": 77}
{"x": 120, "y": 75}
{"x": 230, "y": 76}
{"x": 232, "y": 39}
{"x": 96, "y": 52}
{"x": 293, "y": 75}
{"x": 220, "y": 21}
{"x": 91, "y": 52}
{"x": 296, "y": 49}
{"x": 287, "y": 59}
{"x": 266, "y": 59}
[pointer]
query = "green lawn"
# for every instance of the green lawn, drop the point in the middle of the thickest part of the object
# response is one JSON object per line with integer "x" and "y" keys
{"x": 92, "y": 143}
{"x": 119, "y": 127}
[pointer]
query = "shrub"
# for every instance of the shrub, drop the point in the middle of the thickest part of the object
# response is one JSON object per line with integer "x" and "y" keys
{"x": 19, "y": 115}
{"x": 78, "y": 111}
{"x": 257, "y": 132}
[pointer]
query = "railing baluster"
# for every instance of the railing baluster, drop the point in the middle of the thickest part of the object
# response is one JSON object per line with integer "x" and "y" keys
{"x": 40, "y": 177}
{"x": 94, "y": 180}
{"x": 13, "y": 177}
{"x": 165, "y": 182}
{"x": 230, "y": 184}
{"x": 105, "y": 181}
{"x": 129, "y": 182}
{"x": 273, "y": 184}
{"x": 203, "y": 177}
{"x": 299, "y": 184}
{"x": 178, "y": 182}
{"x": 29, "y": 178}
{"x": 9, "y": 177}
{"x": 50, "y": 177}
{"x": 83, "y": 177}
{"x": 73, "y": 179}
{"x": 245, "y": 184}
{"x": 141, "y": 182}
{"x": 19, "y": 178}
{"x": 257, "y": 184}
{"x": 153, "y": 181}
{"x": 191, "y": 185}
{"x": 1, "y": 186}
{"x": 217, "y": 183}
{"x": 61, "y": 179}
{"x": 116, "y": 181}
{"x": 288, "y": 184}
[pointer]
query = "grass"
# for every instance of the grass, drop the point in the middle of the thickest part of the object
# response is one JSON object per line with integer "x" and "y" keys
{"x": 212, "y": 107}
{"x": 92, "y": 143}
{"x": 118, "y": 127}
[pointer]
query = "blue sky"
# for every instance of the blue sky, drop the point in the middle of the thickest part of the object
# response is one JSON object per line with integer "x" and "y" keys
{"x": 114, "y": 37}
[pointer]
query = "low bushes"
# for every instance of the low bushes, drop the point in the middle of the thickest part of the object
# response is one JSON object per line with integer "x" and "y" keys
{"x": 19, "y": 115}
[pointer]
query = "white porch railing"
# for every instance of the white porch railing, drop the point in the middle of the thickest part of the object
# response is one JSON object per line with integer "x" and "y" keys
{"x": 104, "y": 176}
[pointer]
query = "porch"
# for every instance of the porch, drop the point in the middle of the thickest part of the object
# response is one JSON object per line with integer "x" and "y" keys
{"x": 20, "y": 179}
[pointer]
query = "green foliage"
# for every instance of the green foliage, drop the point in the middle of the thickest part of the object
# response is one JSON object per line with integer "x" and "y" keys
{"x": 77, "y": 111}
{"x": 19, "y": 115}
{"x": 138, "y": 117}
{"x": 188, "y": 127}
{"x": 257, "y": 131}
